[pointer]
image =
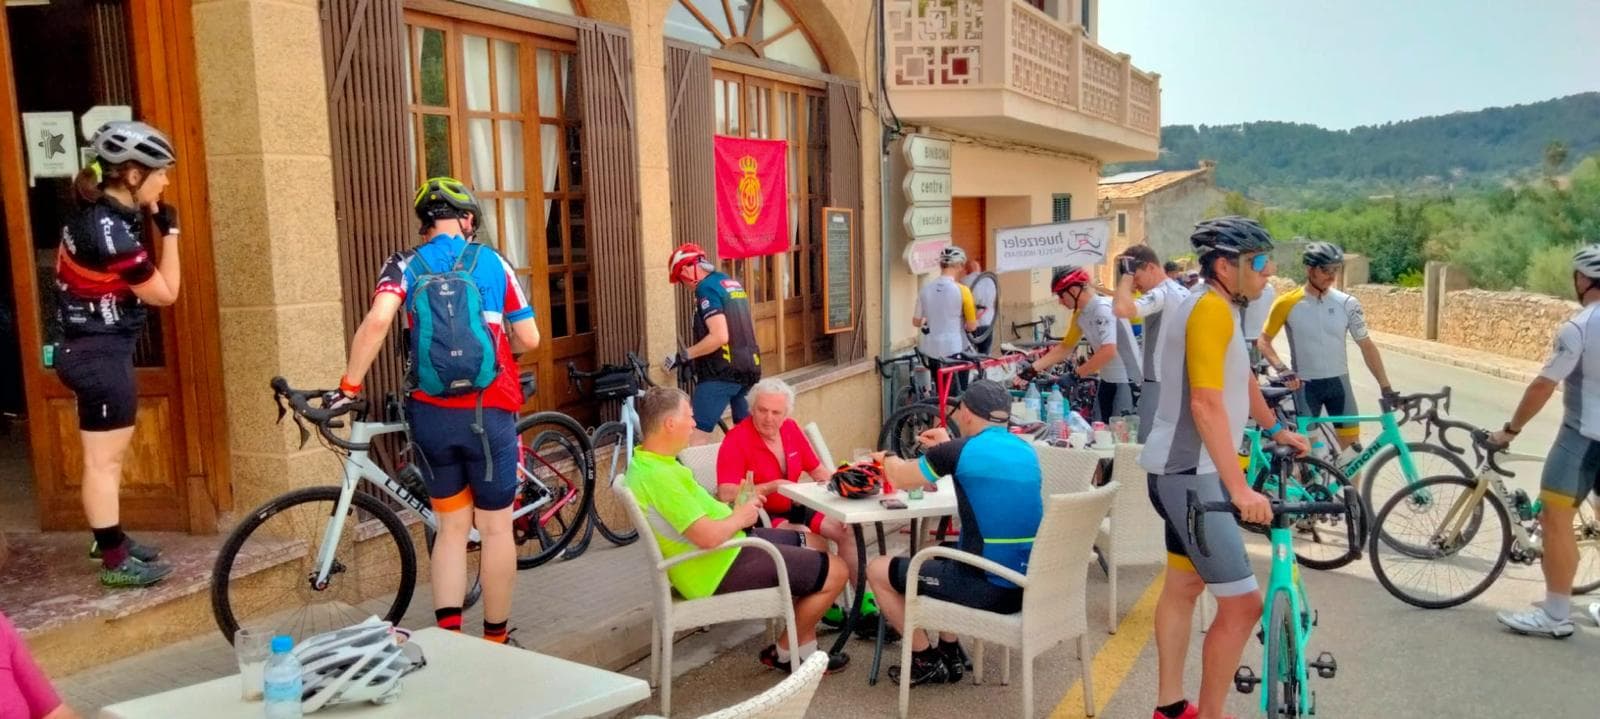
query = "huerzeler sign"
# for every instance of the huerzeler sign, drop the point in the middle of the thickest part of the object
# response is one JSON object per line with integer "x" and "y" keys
{"x": 1082, "y": 242}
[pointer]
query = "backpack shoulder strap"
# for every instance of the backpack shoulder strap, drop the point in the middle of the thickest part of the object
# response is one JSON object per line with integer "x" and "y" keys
{"x": 468, "y": 259}
{"x": 416, "y": 256}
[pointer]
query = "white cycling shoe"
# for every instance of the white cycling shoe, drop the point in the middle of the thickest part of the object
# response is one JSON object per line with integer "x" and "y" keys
{"x": 1534, "y": 620}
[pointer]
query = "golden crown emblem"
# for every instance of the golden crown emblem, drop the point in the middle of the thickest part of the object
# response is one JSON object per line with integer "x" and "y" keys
{"x": 749, "y": 191}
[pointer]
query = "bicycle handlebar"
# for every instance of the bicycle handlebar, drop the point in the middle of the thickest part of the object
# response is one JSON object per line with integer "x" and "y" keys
{"x": 1486, "y": 451}
{"x": 908, "y": 359}
{"x": 632, "y": 363}
{"x": 1410, "y": 405}
{"x": 1045, "y": 322}
{"x": 324, "y": 419}
{"x": 1198, "y": 509}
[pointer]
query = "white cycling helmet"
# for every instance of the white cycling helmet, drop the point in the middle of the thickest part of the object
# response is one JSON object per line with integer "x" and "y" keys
{"x": 1587, "y": 261}
{"x": 952, "y": 256}
{"x": 360, "y": 663}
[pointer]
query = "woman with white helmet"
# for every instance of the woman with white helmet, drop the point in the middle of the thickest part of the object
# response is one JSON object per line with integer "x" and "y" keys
{"x": 106, "y": 274}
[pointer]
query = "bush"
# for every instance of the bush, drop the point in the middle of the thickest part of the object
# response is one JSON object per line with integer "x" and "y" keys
{"x": 1550, "y": 271}
{"x": 1410, "y": 278}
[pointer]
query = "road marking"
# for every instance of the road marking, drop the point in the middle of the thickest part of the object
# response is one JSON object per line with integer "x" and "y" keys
{"x": 1117, "y": 656}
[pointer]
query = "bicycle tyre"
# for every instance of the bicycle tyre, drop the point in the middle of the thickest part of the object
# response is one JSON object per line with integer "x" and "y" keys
{"x": 1281, "y": 673}
{"x": 222, "y": 609}
{"x": 1587, "y": 527}
{"x": 624, "y": 533}
{"x": 984, "y": 332}
{"x": 565, "y": 430}
{"x": 899, "y": 433}
{"x": 475, "y": 589}
{"x": 1433, "y": 486}
{"x": 1373, "y": 494}
{"x": 1362, "y": 520}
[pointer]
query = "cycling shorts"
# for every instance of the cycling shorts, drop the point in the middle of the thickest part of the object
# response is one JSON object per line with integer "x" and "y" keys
{"x": 452, "y": 458}
{"x": 800, "y": 515}
{"x": 1570, "y": 469}
{"x": 1226, "y": 570}
{"x": 1332, "y": 396}
{"x": 1115, "y": 400}
{"x": 711, "y": 397}
{"x": 99, "y": 371}
{"x": 957, "y": 583}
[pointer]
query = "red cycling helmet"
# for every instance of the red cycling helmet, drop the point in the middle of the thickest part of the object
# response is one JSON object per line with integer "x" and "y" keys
{"x": 686, "y": 255}
{"x": 858, "y": 481}
{"x": 1068, "y": 277}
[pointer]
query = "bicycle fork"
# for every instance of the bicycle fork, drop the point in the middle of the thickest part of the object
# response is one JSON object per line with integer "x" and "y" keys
{"x": 327, "y": 565}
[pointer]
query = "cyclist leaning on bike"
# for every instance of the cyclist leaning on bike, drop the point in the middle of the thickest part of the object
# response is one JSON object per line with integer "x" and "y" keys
{"x": 468, "y": 442}
{"x": 1199, "y": 424}
{"x": 1317, "y": 316}
{"x": 1574, "y": 459}
{"x": 945, "y": 313}
{"x": 1138, "y": 268}
{"x": 1115, "y": 357}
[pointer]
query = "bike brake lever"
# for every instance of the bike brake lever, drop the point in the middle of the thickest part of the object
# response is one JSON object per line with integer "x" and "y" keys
{"x": 281, "y": 409}
{"x": 305, "y": 434}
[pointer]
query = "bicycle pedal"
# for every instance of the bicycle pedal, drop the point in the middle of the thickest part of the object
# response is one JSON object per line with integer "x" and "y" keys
{"x": 1245, "y": 680}
{"x": 1327, "y": 667}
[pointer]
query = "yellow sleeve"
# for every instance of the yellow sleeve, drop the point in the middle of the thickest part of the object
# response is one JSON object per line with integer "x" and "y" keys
{"x": 1206, "y": 338}
{"x": 969, "y": 310}
{"x": 1074, "y": 332}
{"x": 1280, "y": 312}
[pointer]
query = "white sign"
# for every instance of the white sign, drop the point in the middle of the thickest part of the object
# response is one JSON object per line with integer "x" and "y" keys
{"x": 922, "y": 187}
{"x": 922, "y": 256}
{"x": 927, "y": 221}
{"x": 1082, "y": 242}
{"x": 52, "y": 144}
{"x": 925, "y": 153}
{"x": 97, "y": 117}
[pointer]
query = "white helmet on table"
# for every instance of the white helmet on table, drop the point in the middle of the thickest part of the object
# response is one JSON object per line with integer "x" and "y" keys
{"x": 360, "y": 663}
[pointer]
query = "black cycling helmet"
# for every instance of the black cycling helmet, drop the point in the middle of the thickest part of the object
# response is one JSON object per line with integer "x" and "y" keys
{"x": 1322, "y": 254}
{"x": 444, "y": 198}
{"x": 857, "y": 481}
{"x": 1231, "y": 235}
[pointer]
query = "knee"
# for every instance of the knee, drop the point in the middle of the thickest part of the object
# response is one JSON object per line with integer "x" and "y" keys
{"x": 1242, "y": 609}
{"x": 1184, "y": 585}
{"x": 455, "y": 524}
{"x": 878, "y": 572}
{"x": 838, "y": 574}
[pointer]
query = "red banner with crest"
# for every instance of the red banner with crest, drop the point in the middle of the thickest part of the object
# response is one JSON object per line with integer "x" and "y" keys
{"x": 752, "y": 197}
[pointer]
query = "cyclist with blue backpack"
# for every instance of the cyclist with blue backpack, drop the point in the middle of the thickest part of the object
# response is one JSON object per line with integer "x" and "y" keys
{"x": 467, "y": 317}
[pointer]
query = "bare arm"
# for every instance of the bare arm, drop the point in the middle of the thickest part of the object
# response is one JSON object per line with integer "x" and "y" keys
{"x": 524, "y": 335}
{"x": 63, "y": 712}
{"x": 1102, "y": 356}
{"x": 716, "y": 337}
{"x": 1052, "y": 357}
{"x": 369, "y": 337}
{"x": 1534, "y": 398}
{"x": 1122, "y": 304}
{"x": 1374, "y": 360}
{"x": 707, "y": 533}
{"x": 904, "y": 474}
{"x": 821, "y": 473}
{"x": 1264, "y": 344}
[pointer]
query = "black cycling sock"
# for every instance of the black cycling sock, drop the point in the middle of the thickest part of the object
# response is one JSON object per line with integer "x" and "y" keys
{"x": 1174, "y": 710}
{"x": 112, "y": 544}
{"x": 448, "y": 618}
{"x": 495, "y": 631}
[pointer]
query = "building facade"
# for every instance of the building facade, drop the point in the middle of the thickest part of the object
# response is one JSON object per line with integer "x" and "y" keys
{"x": 1159, "y": 208}
{"x": 1033, "y": 106}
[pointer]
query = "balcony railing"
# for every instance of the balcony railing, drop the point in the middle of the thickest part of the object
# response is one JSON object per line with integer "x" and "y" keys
{"x": 1011, "y": 45}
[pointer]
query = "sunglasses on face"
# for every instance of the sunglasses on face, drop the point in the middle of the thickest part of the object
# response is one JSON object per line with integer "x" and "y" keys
{"x": 1259, "y": 262}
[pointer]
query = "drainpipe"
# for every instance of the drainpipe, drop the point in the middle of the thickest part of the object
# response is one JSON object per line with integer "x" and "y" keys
{"x": 885, "y": 222}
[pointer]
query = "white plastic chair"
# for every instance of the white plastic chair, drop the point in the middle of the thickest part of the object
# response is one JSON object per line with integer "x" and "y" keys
{"x": 1064, "y": 470}
{"x": 1054, "y": 602}
{"x": 672, "y": 613}
{"x": 819, "y": 445}
{"x": 788, "y": 700}
{"x": 702, "y": 462}
{"x": 1134, "y": 533}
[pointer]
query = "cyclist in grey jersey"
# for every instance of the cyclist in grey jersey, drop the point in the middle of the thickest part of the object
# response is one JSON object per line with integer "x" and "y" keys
{"x": 1138, "y": 268}
{"x": 1574, "y": 459}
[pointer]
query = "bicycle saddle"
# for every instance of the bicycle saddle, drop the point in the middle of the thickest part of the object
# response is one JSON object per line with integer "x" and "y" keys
{"x": 1275, "y": 395}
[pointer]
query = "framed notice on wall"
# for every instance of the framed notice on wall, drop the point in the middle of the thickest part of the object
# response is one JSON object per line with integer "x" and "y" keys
{"x": 838, "y": 268}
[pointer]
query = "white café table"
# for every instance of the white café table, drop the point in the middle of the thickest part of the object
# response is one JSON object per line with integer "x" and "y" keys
{"x": 857, "y": 513}
{"x": 465, "y": 677}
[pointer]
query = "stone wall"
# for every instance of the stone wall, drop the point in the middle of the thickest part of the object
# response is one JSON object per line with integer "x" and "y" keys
{"x": 1396, "y": 310}
{"x": 1515, "y": 324}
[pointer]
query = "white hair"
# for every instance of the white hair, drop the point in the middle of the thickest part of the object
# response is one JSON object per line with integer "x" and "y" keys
{"x": 773, "y": 385}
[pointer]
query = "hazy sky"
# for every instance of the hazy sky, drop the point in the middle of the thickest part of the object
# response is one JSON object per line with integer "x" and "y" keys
{"x": 1355, "y": 62}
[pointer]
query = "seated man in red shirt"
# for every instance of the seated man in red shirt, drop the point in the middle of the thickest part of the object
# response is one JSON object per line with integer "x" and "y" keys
{"x": 773, "y": 447}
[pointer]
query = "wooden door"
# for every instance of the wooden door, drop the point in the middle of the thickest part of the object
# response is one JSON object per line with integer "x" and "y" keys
{"x": 498, "y": 109}
{"x": 66, "y": 57}
{"x": 967, "y": 228}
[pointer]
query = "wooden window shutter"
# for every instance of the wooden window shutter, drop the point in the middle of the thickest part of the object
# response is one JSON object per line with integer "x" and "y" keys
{"x": 691, "y": 122}
{"x": 844, "y": 190}
{"x": 605, "y": 78}
{"x": 364, "y": 42}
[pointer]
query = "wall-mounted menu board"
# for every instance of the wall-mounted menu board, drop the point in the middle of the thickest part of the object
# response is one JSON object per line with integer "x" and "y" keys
{"x": 838, "y": 267}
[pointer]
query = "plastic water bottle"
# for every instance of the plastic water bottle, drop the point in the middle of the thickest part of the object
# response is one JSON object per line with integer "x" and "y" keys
{"x": 1031, "y": 399}
{"x": 1079, "y": 425}
{"x": 282, "y": 681}
{"x": 1057, "y": 405}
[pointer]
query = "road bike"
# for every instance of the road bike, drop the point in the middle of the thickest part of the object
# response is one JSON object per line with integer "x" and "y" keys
{"x": 613, "y": 443}
{"x": 901, "y": 429}
{"x": 345, "y": 554}
{"x": 1289, "y": 619}
{"x": 1445, "y": 540}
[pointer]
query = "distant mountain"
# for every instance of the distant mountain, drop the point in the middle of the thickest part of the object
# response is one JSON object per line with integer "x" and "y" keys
{"x": 1286, "y": 163}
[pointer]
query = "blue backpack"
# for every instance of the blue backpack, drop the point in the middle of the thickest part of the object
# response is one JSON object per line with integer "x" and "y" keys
{"x": 452, "y": 350}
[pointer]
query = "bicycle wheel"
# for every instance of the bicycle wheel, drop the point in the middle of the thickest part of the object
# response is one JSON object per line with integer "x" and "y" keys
{"x": 1586, "y": 525}
{"x": 611, "y": 461}
{"x": 474, "y": 568}
{"x": 1384, "y": 476}
{"x": 270, "y": 560}
{"x": 555, "y": 475}
{"x": 986, "y": 284}
{"x": 1281, "y": 673}
{"x": 900, "y": 431}
{"x": 1458, "y": 565}
{"x": 1322, "y": 541}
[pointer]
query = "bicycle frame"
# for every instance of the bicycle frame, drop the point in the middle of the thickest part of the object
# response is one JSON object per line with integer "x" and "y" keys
{"x": 947, "y": 374}
{"x": 1284, "y": 578}
{"x": 1389, "y": 437}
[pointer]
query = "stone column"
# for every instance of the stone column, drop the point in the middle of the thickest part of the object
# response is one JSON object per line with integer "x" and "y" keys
{"x": 1357, "y": 271}
{"x": 1439, "y": 279}
{"x": 263, "y": 101}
